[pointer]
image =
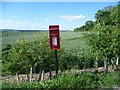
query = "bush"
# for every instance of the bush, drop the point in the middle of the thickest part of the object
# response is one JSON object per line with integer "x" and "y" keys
{"x": 27, "y": 53}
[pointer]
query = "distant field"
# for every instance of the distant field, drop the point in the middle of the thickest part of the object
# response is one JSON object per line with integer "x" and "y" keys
{"x": 11, "y": 37}
{"x": 71, "y": 41}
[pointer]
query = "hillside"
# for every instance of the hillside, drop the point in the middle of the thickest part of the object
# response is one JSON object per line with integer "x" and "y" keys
{"x": 14, "y": 30}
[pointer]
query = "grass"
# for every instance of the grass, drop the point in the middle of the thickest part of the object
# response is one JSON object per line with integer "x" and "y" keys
{"x": 74, "y": 42}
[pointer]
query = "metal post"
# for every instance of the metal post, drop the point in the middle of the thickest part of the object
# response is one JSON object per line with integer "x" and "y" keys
{"x": 56, "y": 62}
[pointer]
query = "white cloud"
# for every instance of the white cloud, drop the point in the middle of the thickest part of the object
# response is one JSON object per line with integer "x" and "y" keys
{"x": 10, "y": 25}
{"x": 6, "y": 21}
{"x": 19, "y": 25}
{"x": 46, "y": 19}
{"x": 22, "y": 23}
{"x": 15, "y": 16}
{"x": 71, "y": 18}
{"x": 44, "y": 27}
{"x": 36, "y": 18}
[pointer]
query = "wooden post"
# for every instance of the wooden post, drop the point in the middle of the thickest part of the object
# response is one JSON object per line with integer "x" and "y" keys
{"x": 106, "y": 64}
{"x": 117, "y": 63}
{"x": 42, "y": 76}
{"x": 112, "y": 62}
{"x": 96, "y": 65}
{"x": 50, "y": 74}
{"x": 30, "y": 74}
{"x": 40, "y": 72}
{"x": 39, "y": 75}
{"x": 17, "y": 77}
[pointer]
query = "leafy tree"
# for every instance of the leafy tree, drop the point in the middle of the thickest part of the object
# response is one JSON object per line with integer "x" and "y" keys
{"x": 87, "y": 27}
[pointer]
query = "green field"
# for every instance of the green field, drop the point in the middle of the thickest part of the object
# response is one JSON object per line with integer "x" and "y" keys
{"x": 71, "y": 41}
{"x": 74, "y": 42}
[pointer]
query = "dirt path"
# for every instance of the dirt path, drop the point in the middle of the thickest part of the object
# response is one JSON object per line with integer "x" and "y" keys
{"x": 12, "y": 78}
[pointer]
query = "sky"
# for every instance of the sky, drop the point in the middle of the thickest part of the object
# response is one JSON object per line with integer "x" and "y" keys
{"x": 39, "y": 15}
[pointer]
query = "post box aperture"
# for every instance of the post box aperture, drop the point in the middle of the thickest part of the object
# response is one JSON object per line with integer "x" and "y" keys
{"x": 54, "y": 37}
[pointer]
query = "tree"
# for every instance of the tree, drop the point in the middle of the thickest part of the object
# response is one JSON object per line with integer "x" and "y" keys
{"x": 76, "y": 29}
{"x": 87, "y": 27}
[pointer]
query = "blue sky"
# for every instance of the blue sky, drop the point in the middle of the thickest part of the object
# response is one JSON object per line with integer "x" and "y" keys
{"x": 39, "y": 15}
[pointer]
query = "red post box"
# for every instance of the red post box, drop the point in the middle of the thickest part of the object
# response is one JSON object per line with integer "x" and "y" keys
{"x": 54, "y": 37}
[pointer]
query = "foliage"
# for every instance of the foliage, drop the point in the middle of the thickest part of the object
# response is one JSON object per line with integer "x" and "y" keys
{"x": 68, "y": 61}
{"x": 108, "y": 33}
{"x": 105, "y": 41}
